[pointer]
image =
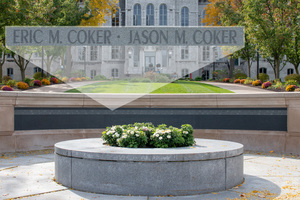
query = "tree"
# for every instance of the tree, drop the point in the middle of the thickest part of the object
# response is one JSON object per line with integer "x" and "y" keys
{"x": 293, "y": 46}
{"x": 99, "y": 10}
{"x": 267, "y": 27}
{"x": 212, "y": 13}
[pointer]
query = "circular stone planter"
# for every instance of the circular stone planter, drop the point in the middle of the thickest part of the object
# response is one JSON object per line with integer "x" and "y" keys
{"x": 209, "y": 166}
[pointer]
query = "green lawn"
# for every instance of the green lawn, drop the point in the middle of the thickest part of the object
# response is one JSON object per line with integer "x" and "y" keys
{"x": 130, "y": 87}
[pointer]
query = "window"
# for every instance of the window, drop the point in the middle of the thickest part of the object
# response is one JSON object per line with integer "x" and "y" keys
{"x": 93, "y": 74}
{"x": 206, "y": 53}
{"x": 184, "y": 53}
{"x": 81, "y": 53}
{"x": 94, "y": 53}
{"x": 150, "y": 15}
{"x": 137, "y": 17}
{"x": 36, "y": 69}
{"x": 115, "y": 52}
{"x": 163, "y": 15}
{"x": 184, "y": 16}
{"x": 185, "y": 73}
{"x": 115, "y": 73}
{"x": 10, "y": 72}
{"x": 263, "y": 70}
{"x": 236, "y": 62}
{"x": 290, "y": 71}
{"x": 215, "y": 54}
{"x": 115, "y": 18}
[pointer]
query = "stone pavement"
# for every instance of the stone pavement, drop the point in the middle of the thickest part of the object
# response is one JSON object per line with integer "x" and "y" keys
{"x": 30, "y": 176}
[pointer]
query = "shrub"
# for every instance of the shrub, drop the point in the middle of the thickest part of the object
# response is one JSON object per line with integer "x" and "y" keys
{"x": 248, "y": 81}
{"x": 266, "y": 84}
{"x": 83, "y": 79}
{"x": 278, "y": 86}
{"x": 160, "y": 78}
{"x": 226, "y": 80}
{"x": 140, "y": 80}
{"x": 100, "y": 78}
{"x": 133, "y": 138}
{"x": 256, "y": 83}
{"x": 37, "y": 83}
{"x": 291, "y": 82}
{"x": 297, "y": 90}
{"x": 198, "y": 78}
{"x": 78, "y": 79}
{"x": 263, "y": 77}
{"x": 45, "y": 82}
{"x": 11, "y": 83}
{"x": 5, "y": 79}
{"x": 22, "y": 85}
{"x": 295, "y": 77}
{"x": 6, "y": 88}
{"x": 243, "y": 81}
{"x": 27, "y": 80}
{"x": 65, "y": 79}
{"x": 73, "y": 79}
{"x": 240, "y": 76}
{"x": 291, "y": 88}
{"x": 237, "y": 81}
{"x": 146, "y": 135}
{"x": 54, "y": 80}
{"x": 37, "y": 75}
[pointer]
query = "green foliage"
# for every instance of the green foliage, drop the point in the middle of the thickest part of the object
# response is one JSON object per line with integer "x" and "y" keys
{"x": 295, "y": 77}
{"x": 240, "y": 75}
{"x": 139, "y": 80}
{"x": 100, "y": 78}
{"x": 291, "y": 82}
{"x": 28, "y": 80}
{"x": 5, "y": 79}
{"x": 198, "y": 78}
{"x": 11, "y": 83}
{"x": 263, "y": 77}
{"x": 37, "y": 76}
{"x": 161, "y": 78}
{"x": 141, "y": 135}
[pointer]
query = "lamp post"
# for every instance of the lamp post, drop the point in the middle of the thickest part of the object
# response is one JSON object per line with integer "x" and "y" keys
{"x": 257, "y": 69}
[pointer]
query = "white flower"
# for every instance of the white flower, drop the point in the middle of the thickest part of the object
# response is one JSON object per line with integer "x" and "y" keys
{"x": 117, "y": 135}
{"x": 157, "y": 135}
{"x": 185, "y": 132}
{"x": 132, "y": 132}
{"x": 137, "y": 135}
{"x": 160, "y": 138}
{"x": 168, "y": 131}
{"x": 124, "y": 136}
{"x": 169, "y": 136}
{"x": 113, "y": 128}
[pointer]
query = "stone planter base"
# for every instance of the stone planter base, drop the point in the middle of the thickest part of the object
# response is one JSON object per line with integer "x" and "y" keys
{"x": 209, "y": 166}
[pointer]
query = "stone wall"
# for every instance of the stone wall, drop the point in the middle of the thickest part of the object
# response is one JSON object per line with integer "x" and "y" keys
{"x": 256, "y": 140}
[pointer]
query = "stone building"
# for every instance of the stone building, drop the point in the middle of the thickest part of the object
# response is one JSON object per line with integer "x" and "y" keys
{"x": 130, "y": 61}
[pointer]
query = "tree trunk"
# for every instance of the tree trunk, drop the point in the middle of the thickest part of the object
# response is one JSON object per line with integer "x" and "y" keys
{"x": 277, "y": 67}
{"x": 296, "y": 66}
{"x": 1, "y": 66}
{"x": 22, "y": 73}
{"x": 249, "y": 67}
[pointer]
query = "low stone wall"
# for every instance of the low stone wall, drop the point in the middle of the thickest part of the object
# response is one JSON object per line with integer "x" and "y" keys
{"x": 287, "y": 141}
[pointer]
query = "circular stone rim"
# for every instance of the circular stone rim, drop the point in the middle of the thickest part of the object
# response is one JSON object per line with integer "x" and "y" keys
{"x": 204, "y": 149}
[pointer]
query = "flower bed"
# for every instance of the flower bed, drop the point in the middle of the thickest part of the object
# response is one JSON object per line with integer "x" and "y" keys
{"x": 141, "y": 135}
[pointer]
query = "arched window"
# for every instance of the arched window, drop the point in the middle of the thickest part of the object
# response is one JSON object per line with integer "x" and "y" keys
{"x": 137, "y": 17}
{"x": 184, "y": 16}
{"x": 185, "y": 73}
{"x": 163, "y": 15}
{"x": 150, "y": 15}
{"x": 93, "y": 74}
{"x": 115, "y": 18}
{"x": 115, "y": 73}
{"x": 290, "y": 71}
{"x": 263, "y": 70}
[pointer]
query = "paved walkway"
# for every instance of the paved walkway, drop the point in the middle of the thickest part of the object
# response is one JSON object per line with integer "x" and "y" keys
{"x": 236, "y": 88}
{"x": 239, "y": 88}
{"x": 30, "y": 176}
